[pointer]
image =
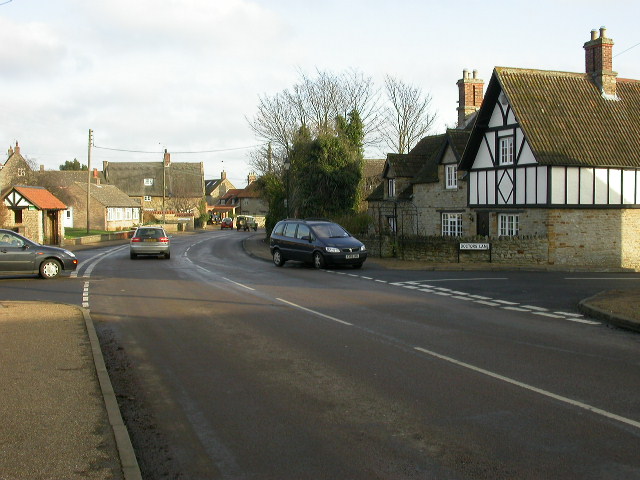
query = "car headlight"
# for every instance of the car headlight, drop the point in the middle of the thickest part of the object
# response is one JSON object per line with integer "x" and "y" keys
{"x": 363, "y": 248}
{"x": 332, "y": 249}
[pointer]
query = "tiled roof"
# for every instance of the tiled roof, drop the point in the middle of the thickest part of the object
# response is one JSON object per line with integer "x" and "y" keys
{"x": 405, "y": 165}
{"x": 250, "y": 191}
{"x": 372, "y": 167}
{"x": 182, "y": 179}
{"x": 565, "y": 118}
{"x": 377, "y": 194}
{"x": 41, "y": 198}
{"x": 109, "y": 195}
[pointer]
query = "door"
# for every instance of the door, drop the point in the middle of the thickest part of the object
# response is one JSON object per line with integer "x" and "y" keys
{"x": 482, "y": 224}
{"x": 15, "y": 256}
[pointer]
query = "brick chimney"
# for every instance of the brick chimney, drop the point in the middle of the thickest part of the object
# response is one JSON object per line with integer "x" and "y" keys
{"x": 470, "y": 90}
{"x": 167, "y": 158}
{"x": 599, "y": 62}
{"x": 251, "y": 178}
{"x": 17, "y": 149}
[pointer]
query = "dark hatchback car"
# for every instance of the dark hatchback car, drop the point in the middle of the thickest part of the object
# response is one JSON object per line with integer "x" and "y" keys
{"x": 19, "y": 255}
{"x": 316, "y": 242}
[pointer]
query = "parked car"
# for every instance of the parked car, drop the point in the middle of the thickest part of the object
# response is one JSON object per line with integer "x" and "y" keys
{"x": 226, "y": 223}
{"x": 316, "y": 242}
{"x": 246, "y": 223}
{"x": 19, "y": 255}
{"x": 150, "y": 240}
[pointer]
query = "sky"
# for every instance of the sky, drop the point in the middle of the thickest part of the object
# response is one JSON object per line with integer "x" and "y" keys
{"x": 186, "y": 76}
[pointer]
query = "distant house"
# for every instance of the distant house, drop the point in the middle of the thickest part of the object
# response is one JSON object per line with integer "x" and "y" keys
{"x": 228, "y": 204}
{"x": 556, "y": 156}
{"x": 109, "y": 208}
{"x": 251, "y": 200}
{"x": 216, "y": 188}
{"x": 35, "y": 213}
{"x": 61, "y": 182}
{"x": 15, "y": 170}
{"x": 159, "y": 186}
{"x": 422, "y": 192}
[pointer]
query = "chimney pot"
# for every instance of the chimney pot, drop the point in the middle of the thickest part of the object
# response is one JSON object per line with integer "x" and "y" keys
{"x": 603, "y": 32}
{"x": 594, "y": 34}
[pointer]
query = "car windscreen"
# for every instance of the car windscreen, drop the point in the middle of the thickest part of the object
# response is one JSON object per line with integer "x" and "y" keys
{"x": 330, "y": 230}
{"x": 149, "y": 233}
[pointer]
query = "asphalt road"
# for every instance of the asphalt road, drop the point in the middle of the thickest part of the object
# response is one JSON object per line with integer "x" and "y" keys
{"x": 229, "y": 367}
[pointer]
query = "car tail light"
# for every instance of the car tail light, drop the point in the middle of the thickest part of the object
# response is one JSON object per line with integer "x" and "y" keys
{"x": 163, "y": 239}
{"x": 136, "y": 239}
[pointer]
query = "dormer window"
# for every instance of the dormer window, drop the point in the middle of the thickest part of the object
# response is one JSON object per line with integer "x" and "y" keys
{"x": 392, "y": 187}
{"x": 148, "y": 182}
{"x": 451, "y": 177}
{"x": 505, "y": 151}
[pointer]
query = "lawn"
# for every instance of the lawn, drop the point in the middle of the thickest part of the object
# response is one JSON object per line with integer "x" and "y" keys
{"x": 81, "y": 232}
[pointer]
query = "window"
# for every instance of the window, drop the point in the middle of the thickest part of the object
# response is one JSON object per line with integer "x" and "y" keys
{"x": 148, "y": 182}
{"x": 505, "y": 151}
{"x": 393, "y": 226}
{"x": 303, "y": 231}
{"x": 290, "y": 230}
{"x": 147, "y": 198}
{"x": 392, "y": 187}
{"x": 22, "y": 172}
{"x": 508, "y": 225}
{"x": 17, "y": 216}
{"x": 451, "y": 224}
{"x": 451, "y": 176}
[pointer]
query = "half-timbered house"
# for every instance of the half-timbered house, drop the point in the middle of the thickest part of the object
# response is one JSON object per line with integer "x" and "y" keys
{"x": 556, "y": 155}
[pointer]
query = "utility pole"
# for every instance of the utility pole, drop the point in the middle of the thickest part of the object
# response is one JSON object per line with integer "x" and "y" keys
{"x": 89, "y": 175}
{"x": 164, "y": 182}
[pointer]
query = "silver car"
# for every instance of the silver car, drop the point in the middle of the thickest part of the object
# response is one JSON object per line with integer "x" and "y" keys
{"x": 150, "y": 240}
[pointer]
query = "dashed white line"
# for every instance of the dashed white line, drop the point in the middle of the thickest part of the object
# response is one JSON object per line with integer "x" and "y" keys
{"x": 314, "y": 312}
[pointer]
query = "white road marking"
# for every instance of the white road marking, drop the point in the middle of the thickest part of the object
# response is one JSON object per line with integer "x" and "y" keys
{"x": 464, "y": 279}
{"x": 314, "y": 312}
{"x": 531, "y": 307}
{"x": 239, "y": 284}
{"x": 531, "y": 388}
{"x": 506, "y": 303}
{"x": 545, "y": 314}
{"x": 602, "y": 278}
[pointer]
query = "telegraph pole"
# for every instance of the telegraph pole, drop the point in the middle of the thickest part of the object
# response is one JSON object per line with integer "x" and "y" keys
{"x": 89, "y": 175}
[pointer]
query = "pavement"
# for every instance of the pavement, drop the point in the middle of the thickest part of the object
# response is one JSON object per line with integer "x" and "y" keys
{"x": 61, "y": 419}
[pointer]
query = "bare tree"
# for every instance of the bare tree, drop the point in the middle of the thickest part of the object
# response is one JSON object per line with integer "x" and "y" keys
{"x": 408, "y": 117}
{"x": 313, "y": 103}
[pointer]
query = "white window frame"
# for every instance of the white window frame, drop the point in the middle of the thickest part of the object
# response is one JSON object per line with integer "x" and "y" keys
{"x": 451, "y": 176}
{"x": 508, "y": 224}
{"x": 147, "y": 198}
{"x": 452, "y": 224}
{"x": 392, "y": 187}
{"x": 148, "y": 182}
{"x": 22, "y": 172}
{"x": 505, "y": 150}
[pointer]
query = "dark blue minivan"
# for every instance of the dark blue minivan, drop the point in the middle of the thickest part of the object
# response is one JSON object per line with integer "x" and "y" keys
{"x": 316, "y": 242}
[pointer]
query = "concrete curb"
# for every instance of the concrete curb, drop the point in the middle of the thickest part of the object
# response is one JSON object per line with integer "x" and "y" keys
{"x": 616, "y": 320}
{"x": 128, "y": 460}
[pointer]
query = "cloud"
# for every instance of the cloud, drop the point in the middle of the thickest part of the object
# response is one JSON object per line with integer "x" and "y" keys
{"x": 29, "y": 49}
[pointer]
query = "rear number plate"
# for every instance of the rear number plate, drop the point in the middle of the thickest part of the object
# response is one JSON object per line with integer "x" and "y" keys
{"x": 150, "y": 240}
{"x": 354, "y": 255}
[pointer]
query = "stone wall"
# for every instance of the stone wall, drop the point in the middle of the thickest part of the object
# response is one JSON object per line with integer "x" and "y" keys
{"x": 596, "y": 238}
{"x": 525, "y": 250}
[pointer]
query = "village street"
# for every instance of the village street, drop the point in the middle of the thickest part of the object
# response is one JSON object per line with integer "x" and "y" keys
{"x": 228, "y": 367}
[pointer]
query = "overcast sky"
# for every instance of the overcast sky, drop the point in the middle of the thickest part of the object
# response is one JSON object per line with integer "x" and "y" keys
{"x": 186, "y": 74}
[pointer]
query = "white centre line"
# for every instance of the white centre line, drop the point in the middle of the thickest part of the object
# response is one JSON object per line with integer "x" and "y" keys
{"x": 314, "y": 312}
{"x": 239, "y": 284}
{"x": 531, "y": 388}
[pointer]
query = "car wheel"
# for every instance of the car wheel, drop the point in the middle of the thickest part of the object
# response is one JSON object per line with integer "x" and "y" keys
{"x": 318, "y": 260}
{"x": 50, "y": 268}
{"x": 167, "y": 255}
{"x": 278, "y": 259}
{"x": 133, "y": 256}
